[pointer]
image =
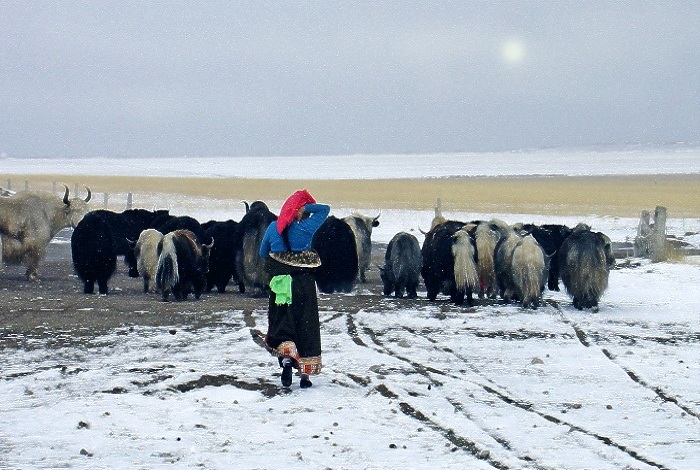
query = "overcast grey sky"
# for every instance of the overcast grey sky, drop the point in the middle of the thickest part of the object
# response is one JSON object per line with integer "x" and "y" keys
{"x": 215, "y": 78}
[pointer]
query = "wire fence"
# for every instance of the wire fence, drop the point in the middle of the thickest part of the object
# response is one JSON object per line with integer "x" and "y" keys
{"x": 112, "y": 201}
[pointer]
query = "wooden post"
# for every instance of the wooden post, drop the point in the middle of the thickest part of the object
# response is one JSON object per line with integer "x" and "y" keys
{"x": 641, "y": 241}
{"x": 129, "y": 200}
{"x": 650, "y": 241}
{"x": 53, "y": 187}
{"x": 106, "y": 200}
{"x": 26, "y": 185}
{"x": 658, "y": 236}
{"x": 9, "y": 184}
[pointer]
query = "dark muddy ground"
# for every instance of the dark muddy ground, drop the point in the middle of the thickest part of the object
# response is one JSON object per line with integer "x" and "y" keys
{"x": 57, "y": 303}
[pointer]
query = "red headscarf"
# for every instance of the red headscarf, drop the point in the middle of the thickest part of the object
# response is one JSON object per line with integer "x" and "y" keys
{"x": 291, "y": 206}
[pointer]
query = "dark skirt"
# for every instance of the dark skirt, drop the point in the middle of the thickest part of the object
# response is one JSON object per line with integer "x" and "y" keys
{"x": 294, "y": 330}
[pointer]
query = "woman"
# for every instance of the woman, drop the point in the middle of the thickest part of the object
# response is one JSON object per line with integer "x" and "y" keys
{"x": 293, "y": 333}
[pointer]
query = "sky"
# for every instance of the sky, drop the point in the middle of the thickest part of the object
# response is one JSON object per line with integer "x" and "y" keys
{"x": 258, "y": 78}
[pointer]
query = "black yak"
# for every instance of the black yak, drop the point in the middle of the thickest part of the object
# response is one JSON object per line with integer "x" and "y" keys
{"x": 335, "y": 244}
{"x": 250, "y": 268}
{"x": 449, "y": 262}
{"x": 362, "y": 226}
{"x": 102, "y": 236}
{"x": 222, "y": 259}
{"x": 402, "y": 265}
{"x": 585, "y": 261}
{"x": 182, "y": 265}
{"x": 166, "y": 225}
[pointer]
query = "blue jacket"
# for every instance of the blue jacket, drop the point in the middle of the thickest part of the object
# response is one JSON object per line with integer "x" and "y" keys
{"x": 300, "y": 233}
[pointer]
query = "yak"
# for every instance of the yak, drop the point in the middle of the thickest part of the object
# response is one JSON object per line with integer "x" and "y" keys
{"x": 487, "y": 235}
{"x": 361, "y": 226}
{"x": 183, "y": 264}
{"x": 402, "y": 264}
{"x": 30, "y": 219}
{"x": 166, "y": 225}
{"x": 521, "y": 268}
{"x": 102, "y": 236}
{"x": 146, "y": 253}
{"x": 550, "y": 237}
{"x": 584, "y": 263}
{"x": 335, "y": 243}
{"x": 450, "y": 262}
{"x": 222, "y": 259}
{"x": 250, "y": 267}
{"x": 529, "y": 271}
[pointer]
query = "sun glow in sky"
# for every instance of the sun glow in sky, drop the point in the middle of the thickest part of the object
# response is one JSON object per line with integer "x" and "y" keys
{"x": 513, "y": 51}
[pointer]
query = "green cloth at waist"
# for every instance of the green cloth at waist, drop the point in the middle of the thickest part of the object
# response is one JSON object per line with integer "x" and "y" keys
{"x": 281, "y": 285}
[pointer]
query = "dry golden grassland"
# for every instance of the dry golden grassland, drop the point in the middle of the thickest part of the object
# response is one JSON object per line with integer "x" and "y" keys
{"x": 623, "y": 196}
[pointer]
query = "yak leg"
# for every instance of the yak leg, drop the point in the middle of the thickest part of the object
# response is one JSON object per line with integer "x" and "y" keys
{"x": 16, "y": 252}
{"x": 457, "y": 296}
{"x": 89, "y": 287}
{"x": 432, "y": 289}
{"x": 470, "y": 298}
{"x": 32, "y": 260}
{"x": 102, "y": 286}
{"x": 411, "y": 292}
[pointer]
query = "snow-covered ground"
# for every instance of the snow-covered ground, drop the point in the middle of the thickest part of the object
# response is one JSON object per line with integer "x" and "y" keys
{"x": 405, "y": 384}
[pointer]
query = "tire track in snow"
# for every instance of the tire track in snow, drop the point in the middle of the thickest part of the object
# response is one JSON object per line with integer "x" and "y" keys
{"x": 449, "y": 434}
{"x": 428, "y": 372}
{"x": 508, "y": 399}
{"x": 583, "y": 338}
{"x": 657, "y": 390}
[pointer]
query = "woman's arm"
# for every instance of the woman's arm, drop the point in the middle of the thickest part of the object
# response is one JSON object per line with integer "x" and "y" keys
{"x": 319, "y": 213}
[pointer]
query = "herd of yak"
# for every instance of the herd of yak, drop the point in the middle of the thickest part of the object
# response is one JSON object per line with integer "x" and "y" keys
{"x": 178, "y": 255}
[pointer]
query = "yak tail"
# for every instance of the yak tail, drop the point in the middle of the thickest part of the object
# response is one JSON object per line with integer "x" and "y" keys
{"x": 528, "y": 268}
{"x": 485, "y": 245}
{"x": 167, "y": 270}
{"x": 466, "y": 276}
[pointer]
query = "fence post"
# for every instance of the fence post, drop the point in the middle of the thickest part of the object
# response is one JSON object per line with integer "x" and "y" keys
{"x": 53, "y": 187}
{"x": 26, "y": 185}
{"x": 650, "y": 241}
{"x": 9, "y": 184}
{"x": 658, "y": 240}
{"x": 129, "y": 200}
{"x": 641, "y": 241}
{"x": 106, "y": 200}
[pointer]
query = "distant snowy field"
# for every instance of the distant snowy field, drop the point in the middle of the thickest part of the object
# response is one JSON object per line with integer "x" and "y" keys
{"x": 416, "y": 385}
{"x": 671, "y": 159}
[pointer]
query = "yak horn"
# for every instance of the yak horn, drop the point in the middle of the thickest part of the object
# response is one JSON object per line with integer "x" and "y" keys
{"x": 89, "y": 195}
{"x": 65, "y": 196}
